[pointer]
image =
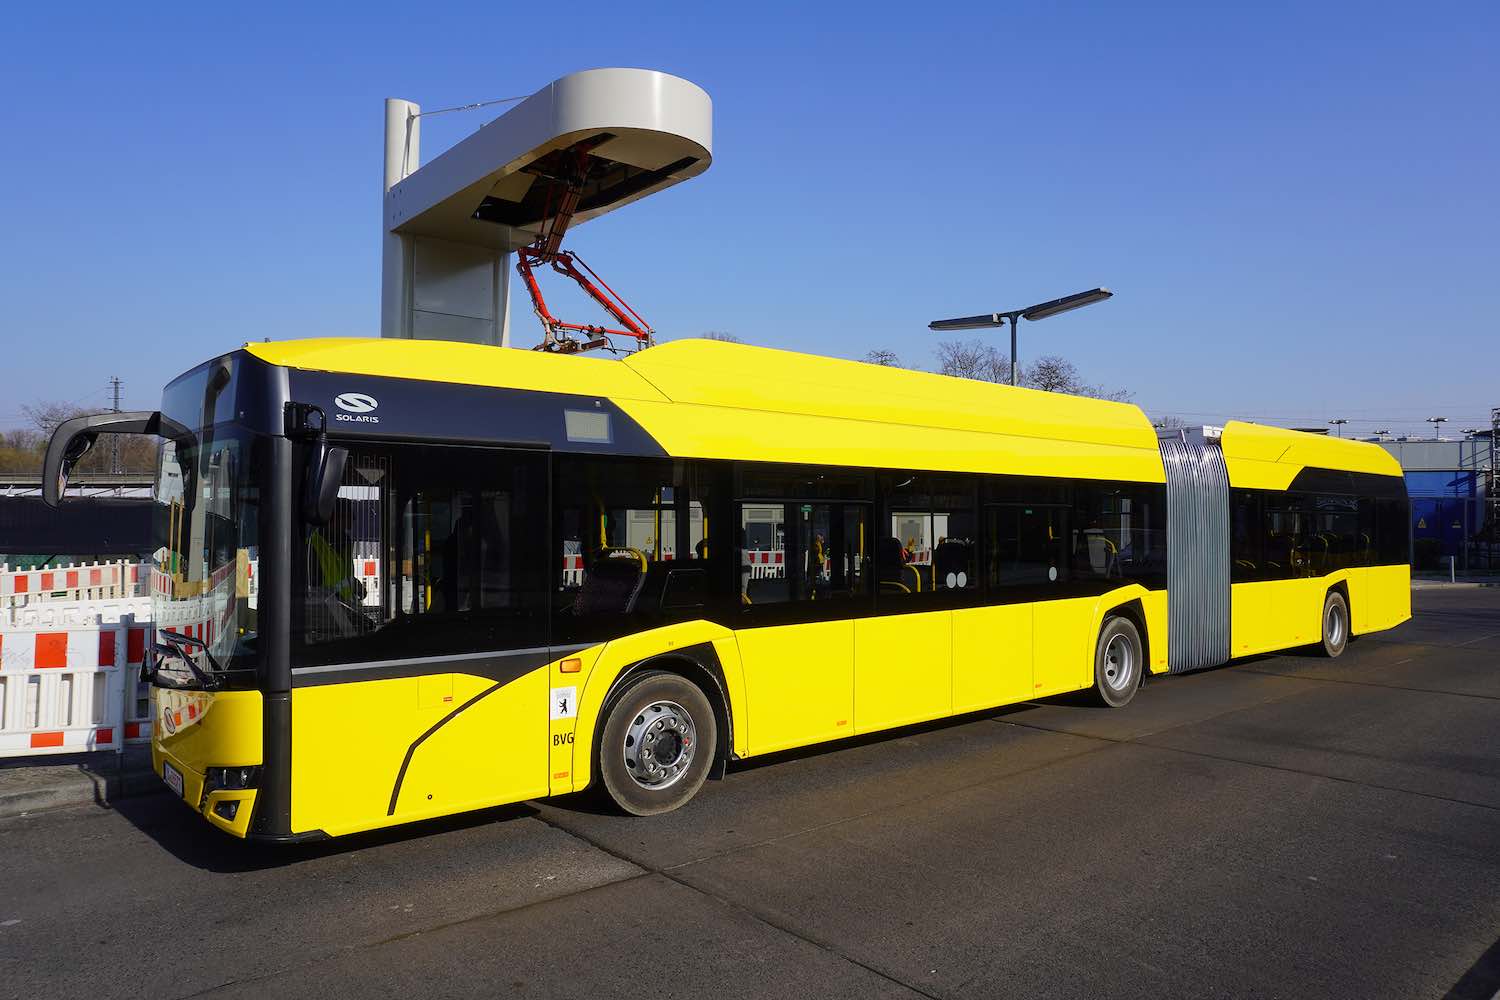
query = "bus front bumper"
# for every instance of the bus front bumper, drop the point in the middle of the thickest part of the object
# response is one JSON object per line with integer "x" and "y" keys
{"x": 210, "y": 737}
{"x": 229, "y": 809}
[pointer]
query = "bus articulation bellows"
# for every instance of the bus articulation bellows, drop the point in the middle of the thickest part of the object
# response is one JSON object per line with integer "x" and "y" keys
{"x": 403, "y": 579}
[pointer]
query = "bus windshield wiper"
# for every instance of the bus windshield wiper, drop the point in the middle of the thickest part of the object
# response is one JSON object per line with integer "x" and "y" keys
{"x": 179, "y": 644}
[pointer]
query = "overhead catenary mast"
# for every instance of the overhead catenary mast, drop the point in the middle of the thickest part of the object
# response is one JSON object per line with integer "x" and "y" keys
{"x": 114, "y": 439}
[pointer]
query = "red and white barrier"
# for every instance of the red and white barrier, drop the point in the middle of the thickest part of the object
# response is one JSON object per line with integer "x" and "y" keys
{"x": 137, "y": 721}
{"x": 766, "y": 564}
{"x": 85, "y": 581}
{"x": 62, "y": 690}
{"x": 73, "y": 614}
{"x": 72, "y": 642}
{"x": 367, "y": 572}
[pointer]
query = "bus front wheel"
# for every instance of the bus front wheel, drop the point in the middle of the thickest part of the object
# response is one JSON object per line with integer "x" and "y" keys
{"x": 658, "y": 744}
{"x": 1335, "y": 624}
{"x": 1118, "y": 661}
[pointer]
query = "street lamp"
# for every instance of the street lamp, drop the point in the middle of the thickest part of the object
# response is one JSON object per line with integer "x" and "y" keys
{"x": 1338, "y": 423}
{"x": 1041, "y": 310}
{"x": 1437, "y": 428}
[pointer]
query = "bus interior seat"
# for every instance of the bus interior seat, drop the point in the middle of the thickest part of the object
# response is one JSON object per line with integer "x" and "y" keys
{"x": 1104, "y": 557}
{"x": 890, "y": 562}
{"x": 674, "y": 585}
{"x": 769, "y": 590}
{"x": 610, "y": 586}
{"x": 950, "y": 558}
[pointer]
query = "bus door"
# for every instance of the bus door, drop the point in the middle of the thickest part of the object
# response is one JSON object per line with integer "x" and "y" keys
{"x": 420, "y": 641}
{"x": 804, "y": 578}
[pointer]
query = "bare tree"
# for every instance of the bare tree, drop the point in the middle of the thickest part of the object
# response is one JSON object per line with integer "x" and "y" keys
{"x": 723, "y": 335}
{"x": 973, "y": 359}
{"x": 1102, "y": 392}
{"x": 22, "y": 450}
{"x": 45, "y": 415}
{"x": 1054, "y": 373}
{"x": 977, "y": 359}
{"x": 1051, "y": 373}
{"x": 1169, "y": 423}
{"x": 881, "y": 356}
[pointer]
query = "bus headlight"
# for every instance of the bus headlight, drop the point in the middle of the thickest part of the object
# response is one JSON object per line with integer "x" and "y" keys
{"x": 231, "y": 777}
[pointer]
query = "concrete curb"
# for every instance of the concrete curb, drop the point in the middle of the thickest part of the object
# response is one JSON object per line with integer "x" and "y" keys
{"x": 1454, "y": 585}
{"x": 31, "y": 788}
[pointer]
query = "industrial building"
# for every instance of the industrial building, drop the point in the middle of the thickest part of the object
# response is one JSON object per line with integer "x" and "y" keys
{"x": 1455, "y": 502}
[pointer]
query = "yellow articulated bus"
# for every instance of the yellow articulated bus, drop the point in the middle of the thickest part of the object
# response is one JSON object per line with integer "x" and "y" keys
{"x": 401, "y": 579}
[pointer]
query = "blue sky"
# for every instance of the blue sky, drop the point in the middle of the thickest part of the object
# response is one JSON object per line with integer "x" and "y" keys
{"x": 1294, "y": 203}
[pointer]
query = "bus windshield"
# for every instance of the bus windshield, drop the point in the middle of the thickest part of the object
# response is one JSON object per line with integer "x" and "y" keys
{"x": 205, "y": 582}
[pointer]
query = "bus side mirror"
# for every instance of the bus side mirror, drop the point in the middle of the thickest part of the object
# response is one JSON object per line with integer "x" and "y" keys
{"x": 56, "y": 479}
{"x": 73, "y": 439}
{"x": 325, "y": 471}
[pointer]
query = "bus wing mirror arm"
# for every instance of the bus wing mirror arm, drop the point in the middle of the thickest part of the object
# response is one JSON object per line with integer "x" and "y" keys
{"x": 73, "y": 439}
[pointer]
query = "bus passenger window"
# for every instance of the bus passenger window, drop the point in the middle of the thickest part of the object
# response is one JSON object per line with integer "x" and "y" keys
{"x": 431, "y": 551}
{"x": 628, "y": 531}
{"x": 1335, "y": 523}
{"x": 1392, "y": 531}
{"x": 1119, "y": 532}
{"x": 1246, "y": 561}
{"x": 803, "y": 552}
{"x": 1290, "y": 551}
{"x": 1026, "y": 546}
{"x": 929, "y": 542}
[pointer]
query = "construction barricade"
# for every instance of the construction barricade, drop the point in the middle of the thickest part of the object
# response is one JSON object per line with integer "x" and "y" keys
{"x": 62, "y": 690}
{"x": 766, "y": 564}
{"x": 84, "y": 581}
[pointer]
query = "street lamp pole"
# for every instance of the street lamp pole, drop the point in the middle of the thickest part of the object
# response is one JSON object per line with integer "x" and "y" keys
{"x": 1338, "y": 424}
{"x": 1014, "y": 319}
{"x": 1041, "y": 310}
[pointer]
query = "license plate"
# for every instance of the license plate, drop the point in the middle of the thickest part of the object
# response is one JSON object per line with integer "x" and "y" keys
{"x": 172, "y": 777}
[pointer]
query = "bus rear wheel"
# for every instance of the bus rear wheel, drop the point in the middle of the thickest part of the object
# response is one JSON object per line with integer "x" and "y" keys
{"x": 1335, "y": 624}
{"x": 658, "y": 744}
{"x": 1118, "y": 661}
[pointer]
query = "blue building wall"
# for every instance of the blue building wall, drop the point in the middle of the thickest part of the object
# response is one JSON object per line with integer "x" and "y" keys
{"x": 1443, "y": 512}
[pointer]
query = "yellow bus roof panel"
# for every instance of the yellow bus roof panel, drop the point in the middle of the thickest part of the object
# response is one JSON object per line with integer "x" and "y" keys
{"x": 713, "y": 399}
{"x": 692, "y": 430}
{"x": 778, "y": 404}
{"x": 1261, "y": 457}
{"x": 464, "y": 364}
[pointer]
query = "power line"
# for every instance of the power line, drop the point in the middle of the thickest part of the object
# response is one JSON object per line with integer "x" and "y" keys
{"x": 469, "y": 107}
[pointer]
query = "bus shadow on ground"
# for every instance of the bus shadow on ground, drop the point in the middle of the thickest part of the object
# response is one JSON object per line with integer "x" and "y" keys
{"x": 191, "y": 840}
{"x": 1482, "y": 981}
{"x": 592, "y": 803}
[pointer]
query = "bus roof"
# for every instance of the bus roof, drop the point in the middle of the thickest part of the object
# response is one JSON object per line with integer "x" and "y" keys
{"x": 714, "y": 399}
{"x": 1261, "y": 457}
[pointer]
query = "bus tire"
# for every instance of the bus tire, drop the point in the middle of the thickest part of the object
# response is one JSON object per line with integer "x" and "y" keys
{"x": 1119, "y": 660}
{"x": 1335, "y": 624}
{"x": 657, "y": 745}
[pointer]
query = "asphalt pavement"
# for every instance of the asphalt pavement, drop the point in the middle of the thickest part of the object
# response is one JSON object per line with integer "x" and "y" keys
{"x": 1282, "y": 827}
